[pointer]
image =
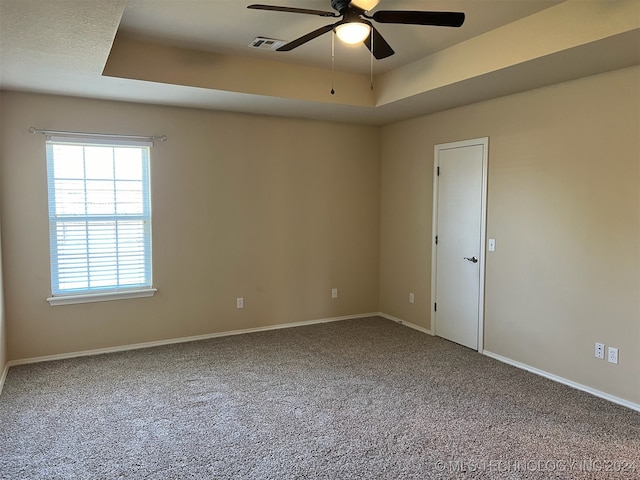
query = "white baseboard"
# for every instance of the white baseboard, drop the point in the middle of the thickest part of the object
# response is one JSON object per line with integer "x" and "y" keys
{"x": 3, "y": 376}
{"x": 136, "y": 346}
{"x": 99, "y": 351}
{"x": 570, "y": 383}
{"x": 404, "y": 322}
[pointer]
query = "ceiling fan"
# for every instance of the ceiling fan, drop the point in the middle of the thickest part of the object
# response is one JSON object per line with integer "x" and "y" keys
{"x": 355, "y": 25}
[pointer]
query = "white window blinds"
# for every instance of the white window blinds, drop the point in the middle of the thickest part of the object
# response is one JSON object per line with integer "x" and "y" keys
{"x": 99, "y": 214}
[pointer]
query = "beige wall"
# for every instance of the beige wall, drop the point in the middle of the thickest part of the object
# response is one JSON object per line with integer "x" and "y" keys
{"x": 3, "y": 325}
{"x": 281, "y": 210}
{"x": 274, "y": 210}
{"x": 564, "y": 208}
{"x": 3, "y": 328}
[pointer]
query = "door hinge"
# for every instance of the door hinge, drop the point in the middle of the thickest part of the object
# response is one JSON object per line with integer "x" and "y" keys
{"x": 438, "y": 171}
{"x": 436, "y": 239}
{"x": 435, "y": 307}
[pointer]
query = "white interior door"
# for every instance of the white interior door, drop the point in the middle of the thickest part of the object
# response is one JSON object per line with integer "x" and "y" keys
{"x": 459, "y": 229}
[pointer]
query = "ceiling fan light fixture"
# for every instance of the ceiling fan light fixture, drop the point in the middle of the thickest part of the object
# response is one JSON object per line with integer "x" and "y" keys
{"x": 353, "y": 32}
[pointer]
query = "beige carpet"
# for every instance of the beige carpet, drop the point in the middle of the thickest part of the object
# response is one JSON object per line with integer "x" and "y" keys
{"x": 354, "y": 399}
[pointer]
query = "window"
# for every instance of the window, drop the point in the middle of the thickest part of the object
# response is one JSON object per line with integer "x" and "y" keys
{"x": 99, "y": 219}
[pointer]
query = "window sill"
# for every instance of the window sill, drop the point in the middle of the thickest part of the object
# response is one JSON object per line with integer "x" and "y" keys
{"x": 100, "y": 297}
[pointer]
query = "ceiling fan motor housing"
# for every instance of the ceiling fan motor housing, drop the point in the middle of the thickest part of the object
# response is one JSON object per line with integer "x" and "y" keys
{"x": 340, "y": 5}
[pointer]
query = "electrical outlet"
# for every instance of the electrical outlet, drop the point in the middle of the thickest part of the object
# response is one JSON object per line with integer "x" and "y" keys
{"x": 599, "y": 353}
{"x": 334, "y": 293}
{"x": 412, "y": 298}
{"x": 612, "y": 355}
{"x": 239, "y": 302}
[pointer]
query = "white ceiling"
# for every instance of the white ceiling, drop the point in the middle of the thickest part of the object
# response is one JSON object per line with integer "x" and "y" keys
{"x": 226, "y": 25}
{"x": 63, "y": 46}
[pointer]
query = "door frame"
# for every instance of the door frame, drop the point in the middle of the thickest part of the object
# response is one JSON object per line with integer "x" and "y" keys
{"x": 484, "y": 141}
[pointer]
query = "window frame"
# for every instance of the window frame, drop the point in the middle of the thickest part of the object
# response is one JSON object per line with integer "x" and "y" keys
{"x": 61, "y": 296}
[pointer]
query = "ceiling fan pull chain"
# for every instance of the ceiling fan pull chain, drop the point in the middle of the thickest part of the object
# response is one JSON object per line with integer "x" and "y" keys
{"x": 371, "y": 58}
{"x": 333, "y": 61}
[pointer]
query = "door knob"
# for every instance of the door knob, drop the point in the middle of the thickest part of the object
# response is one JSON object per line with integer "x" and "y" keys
{"x": 472, "y": 259}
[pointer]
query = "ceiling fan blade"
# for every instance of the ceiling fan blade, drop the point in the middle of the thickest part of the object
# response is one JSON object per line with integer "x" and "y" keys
{"x": 307, "y": 11}
{"x": 305, "y": 38}
{"x": 381, "y": 49}
{"x": 438, "y": 19}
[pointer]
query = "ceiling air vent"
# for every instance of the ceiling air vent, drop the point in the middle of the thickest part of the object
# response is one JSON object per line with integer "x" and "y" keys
{"x": 266, "y": 43}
